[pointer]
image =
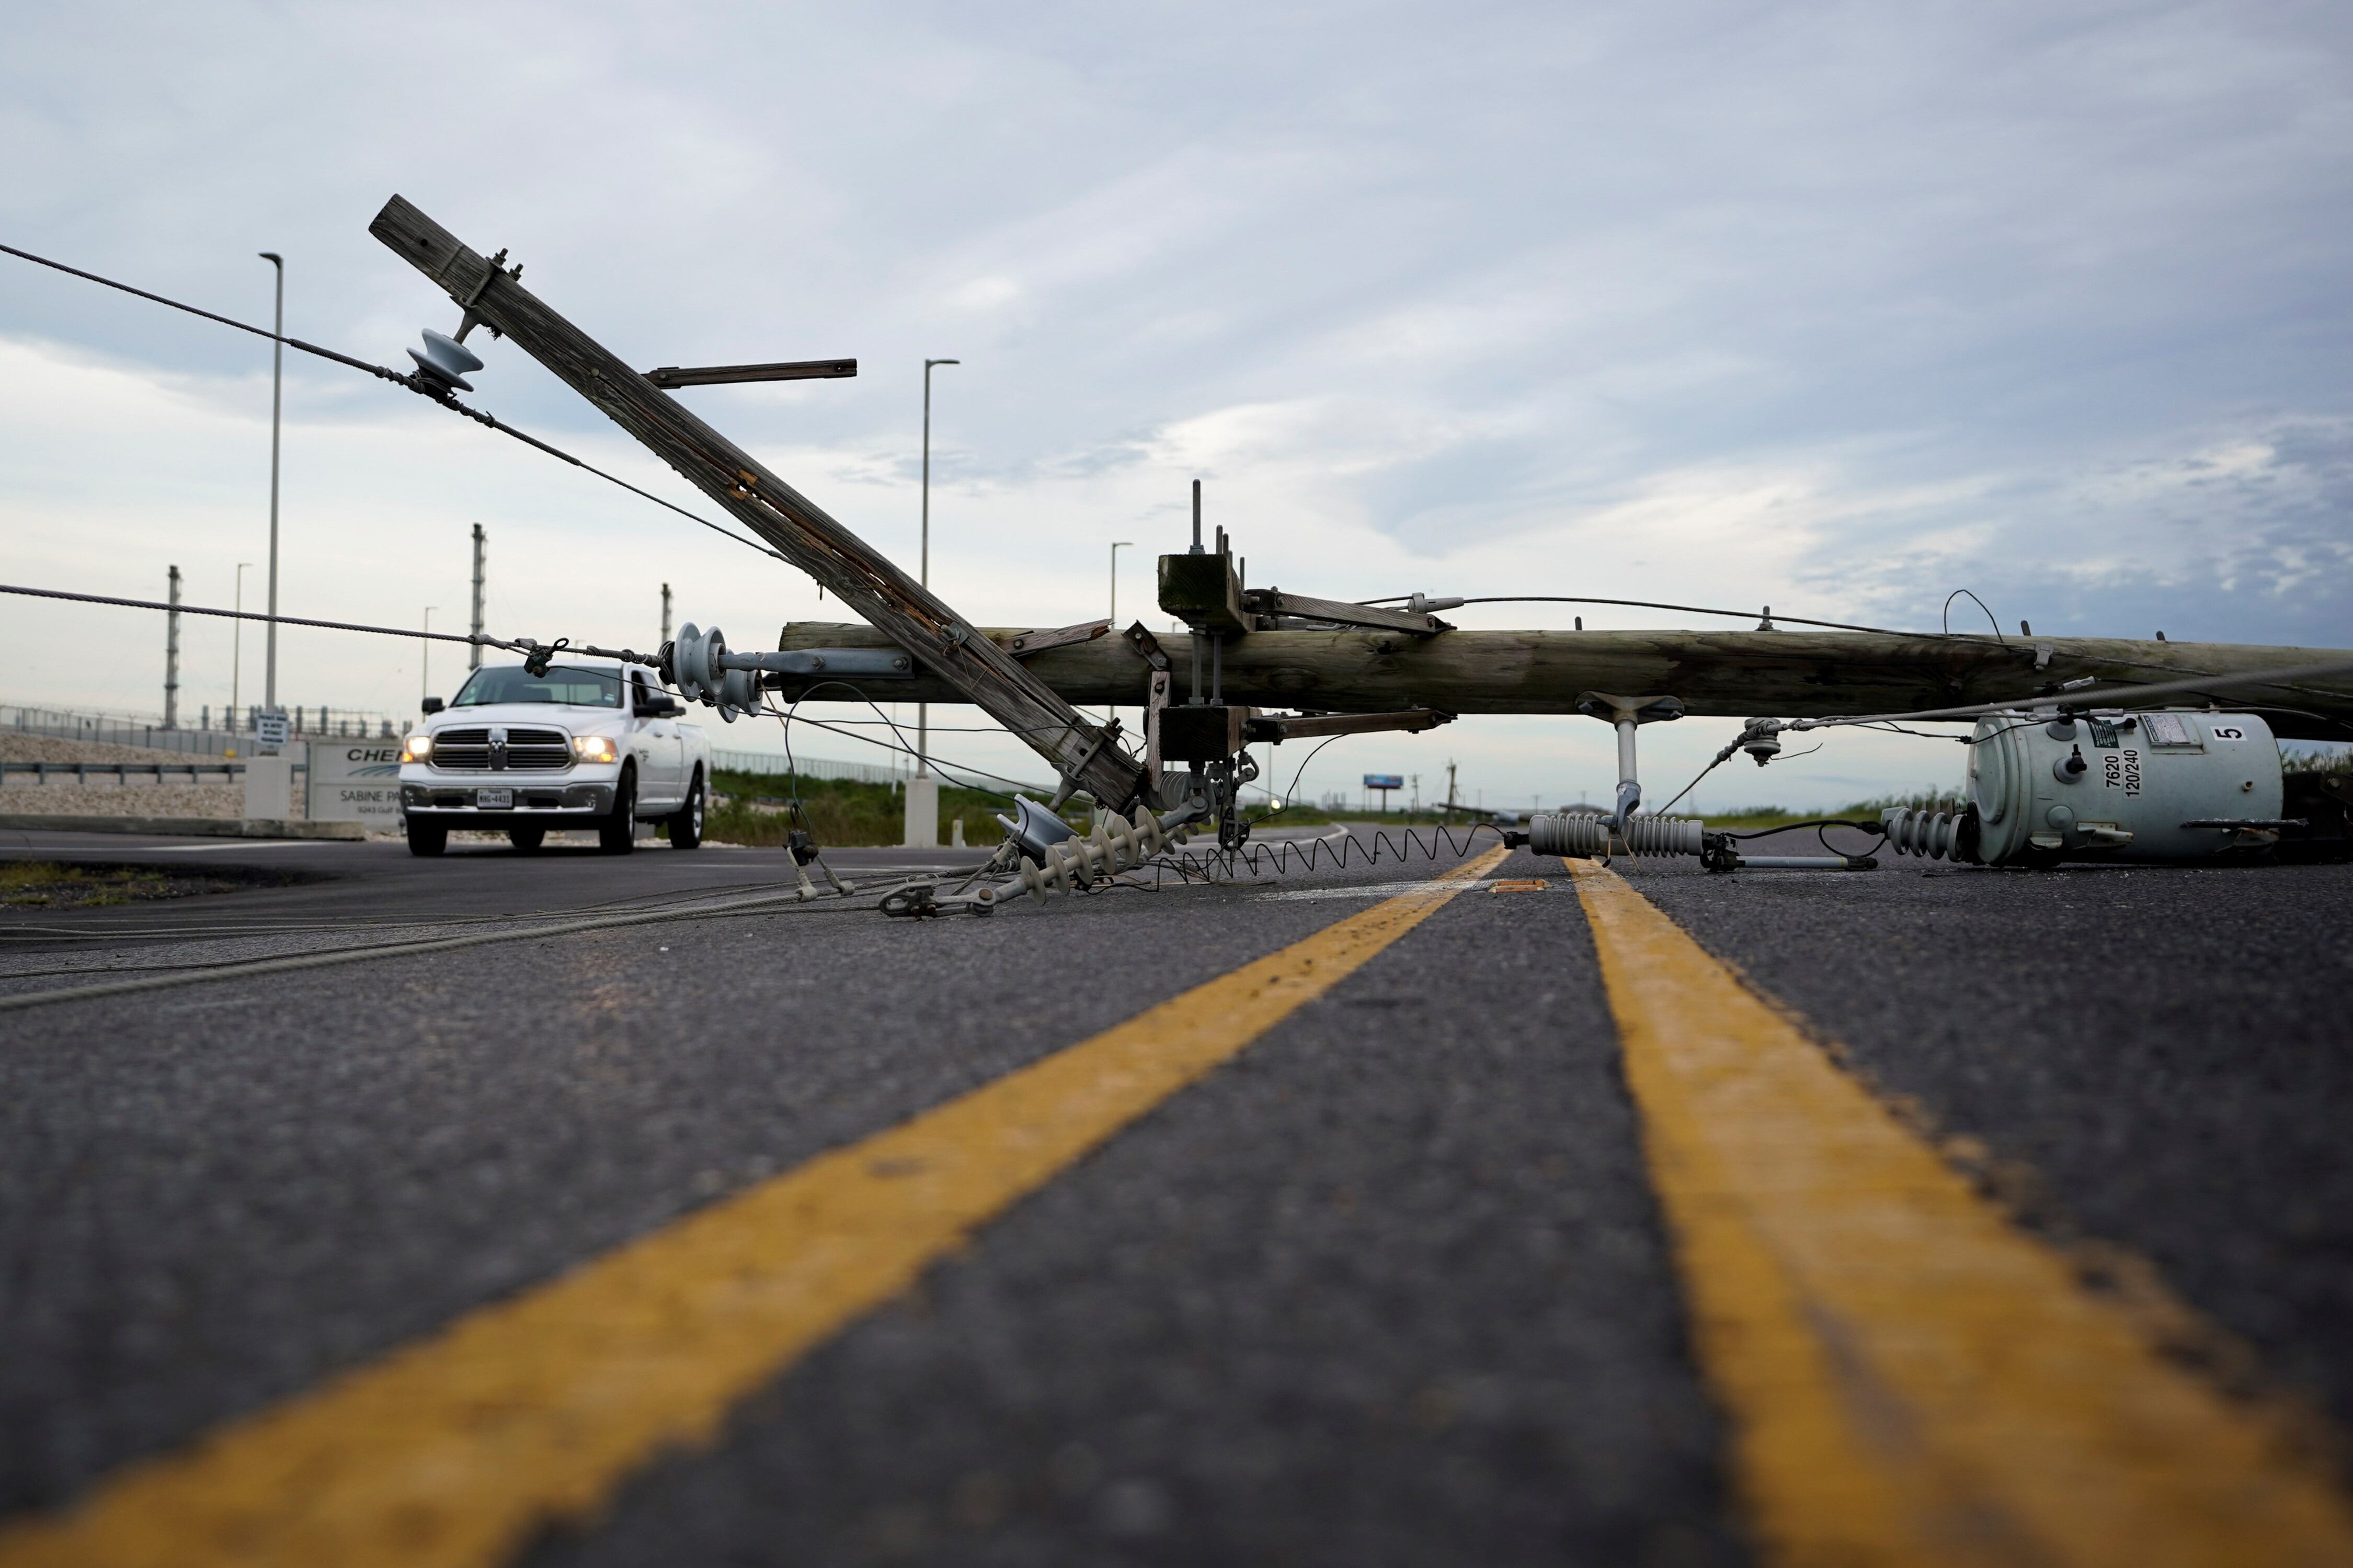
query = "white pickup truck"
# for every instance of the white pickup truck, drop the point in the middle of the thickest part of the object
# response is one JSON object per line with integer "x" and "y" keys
{"x": 591, "y": 743}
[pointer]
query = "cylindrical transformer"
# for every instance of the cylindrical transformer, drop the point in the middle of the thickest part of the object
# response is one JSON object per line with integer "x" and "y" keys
{"x": 2165, "y": 786}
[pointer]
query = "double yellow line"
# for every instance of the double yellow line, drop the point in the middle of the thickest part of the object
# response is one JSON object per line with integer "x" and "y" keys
{"x": 1909, "y": 1380}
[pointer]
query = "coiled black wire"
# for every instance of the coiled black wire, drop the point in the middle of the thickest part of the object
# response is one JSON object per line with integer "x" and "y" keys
{"x": 1293, "y": 856}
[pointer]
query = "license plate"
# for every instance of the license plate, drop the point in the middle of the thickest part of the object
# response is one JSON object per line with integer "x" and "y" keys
{"x": 488, "y": 799}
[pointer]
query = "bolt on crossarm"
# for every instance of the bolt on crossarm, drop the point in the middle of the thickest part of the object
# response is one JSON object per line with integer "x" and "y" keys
{"x": 1087, "y": 755}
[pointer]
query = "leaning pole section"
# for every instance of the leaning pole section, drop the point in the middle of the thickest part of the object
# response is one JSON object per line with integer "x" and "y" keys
{"x": 1087, "y": 755}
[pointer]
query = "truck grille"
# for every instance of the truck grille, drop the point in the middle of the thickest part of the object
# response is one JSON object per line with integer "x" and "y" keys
{"x": 468, "y": 751}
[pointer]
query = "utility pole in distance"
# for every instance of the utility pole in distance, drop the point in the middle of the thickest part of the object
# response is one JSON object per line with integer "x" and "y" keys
{"x": 665, "y": 636}
{"x": 1117, "y": 545}
{"x": 237, "y": 650}
{"x": 474, "y": 654}
{"x": 924, "y": 567}
{"x": 277, "y": 405}
{"x": 171, "y": 656}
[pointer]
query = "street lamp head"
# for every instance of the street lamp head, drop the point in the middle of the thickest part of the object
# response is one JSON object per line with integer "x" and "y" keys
{"x": 273, "y": 258}
{"x": 929, "y": 363}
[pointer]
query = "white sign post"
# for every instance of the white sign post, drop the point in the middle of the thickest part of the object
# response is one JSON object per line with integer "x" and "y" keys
{"x": 357, "y": 781}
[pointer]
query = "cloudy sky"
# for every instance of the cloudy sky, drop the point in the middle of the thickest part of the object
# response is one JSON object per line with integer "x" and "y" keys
{"x": 1837, "y": 308}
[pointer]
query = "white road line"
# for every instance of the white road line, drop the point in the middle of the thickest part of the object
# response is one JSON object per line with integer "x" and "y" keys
{"x": 241, "y": 844}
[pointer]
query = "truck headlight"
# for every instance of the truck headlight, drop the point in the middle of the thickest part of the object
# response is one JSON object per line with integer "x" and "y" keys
{"x": 595, "y": 749}
{"x": 417, "y": 748}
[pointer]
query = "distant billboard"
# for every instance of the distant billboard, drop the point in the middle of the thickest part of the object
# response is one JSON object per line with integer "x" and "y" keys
{"x": 1385, "y": 780}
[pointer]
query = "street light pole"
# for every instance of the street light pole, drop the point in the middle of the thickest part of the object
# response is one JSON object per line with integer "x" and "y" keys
{"x": 237, "y": 650}
{"x": 923, "y": 709}
{"x": 1117, "y": 545}
{"x": 276, "y": 406}
{"x": 425, "y": 662}
{"x": 171, "y": 656}
{"x": 474, "y": 654}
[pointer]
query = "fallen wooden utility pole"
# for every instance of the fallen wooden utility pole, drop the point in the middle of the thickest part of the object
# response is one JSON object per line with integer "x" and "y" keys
{"x": 964, "y": 667}
{"x": 1784, "y": 674}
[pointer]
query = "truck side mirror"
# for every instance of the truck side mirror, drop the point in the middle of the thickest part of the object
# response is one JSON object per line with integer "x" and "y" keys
{"x": 432, "y": 706}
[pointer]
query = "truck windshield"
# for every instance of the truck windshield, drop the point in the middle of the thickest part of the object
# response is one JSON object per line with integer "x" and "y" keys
{"x": 562, "y": 683}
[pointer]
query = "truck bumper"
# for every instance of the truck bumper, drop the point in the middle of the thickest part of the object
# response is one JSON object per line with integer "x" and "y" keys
{"x": 456, "y": 804}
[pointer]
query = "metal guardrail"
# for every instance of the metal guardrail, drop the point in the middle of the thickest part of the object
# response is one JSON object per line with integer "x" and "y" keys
{"x": 123, "y": 772}
{"x": 138, "y": 730}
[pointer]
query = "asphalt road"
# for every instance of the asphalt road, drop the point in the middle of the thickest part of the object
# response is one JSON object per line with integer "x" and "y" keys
{"x": 1392, "y": 1285}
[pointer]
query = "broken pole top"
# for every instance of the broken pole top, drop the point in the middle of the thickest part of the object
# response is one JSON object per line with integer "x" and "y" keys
{"x": 895, "y": 603}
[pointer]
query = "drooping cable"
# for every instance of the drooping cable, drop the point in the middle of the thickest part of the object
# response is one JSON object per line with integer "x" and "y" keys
{"x": 413, "y": 383}
{"x": 1291, "y": 795}
{"x": 791, "y": 715}
{"x": 1655, "y": 604}
{"x": 1980, "y": 603}
{"x": 526, "y": 646}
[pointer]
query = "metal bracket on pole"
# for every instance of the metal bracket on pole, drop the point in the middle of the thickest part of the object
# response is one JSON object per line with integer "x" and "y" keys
{"x": 1625, "y": 713}
{"x": 1034, "y": 642}
{"x": 1281, "y": 727}
{"x": 1153, "y": 706}
{"x": 671, "y": 375}
{"x": 1108, "y": 735}
{"x": 1141, "y": 639}
{"x": 1274, "y": 602}
{"x": 1149, "y": 646}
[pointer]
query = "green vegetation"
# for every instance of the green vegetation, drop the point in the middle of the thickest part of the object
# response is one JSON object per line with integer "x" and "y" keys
{"x": 44, "y": 884}
{"x": 1316, "y": 817}
{"x": 1949, "y": 800}
{"x": 843, "y": 814}
{"x": 853, "y": 815}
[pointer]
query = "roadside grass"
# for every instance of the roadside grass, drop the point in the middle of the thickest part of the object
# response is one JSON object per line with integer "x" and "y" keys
{"x": 1316, "y": 817}
{"x": 748, "y": 808}
{"x": 1948, "y": 800}
{"x": 44, "y": 884}
{"x": 854, "y": 816}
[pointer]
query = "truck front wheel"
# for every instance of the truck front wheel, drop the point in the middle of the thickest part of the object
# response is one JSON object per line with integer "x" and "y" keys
{"x": 686, "y": 822}
{"x": 617, "y": 833}
{"x": 426, "y": 837}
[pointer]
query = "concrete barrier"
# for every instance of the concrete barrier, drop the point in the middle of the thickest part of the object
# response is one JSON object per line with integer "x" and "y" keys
{"x": 922, "y": 814}
{"x": 184, "y": 827}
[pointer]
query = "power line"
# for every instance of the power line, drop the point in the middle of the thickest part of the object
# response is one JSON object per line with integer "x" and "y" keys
{"x": 413, "y": 383}
{"x": 526, "y": 646}
{"x": 1654, "y": 605}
